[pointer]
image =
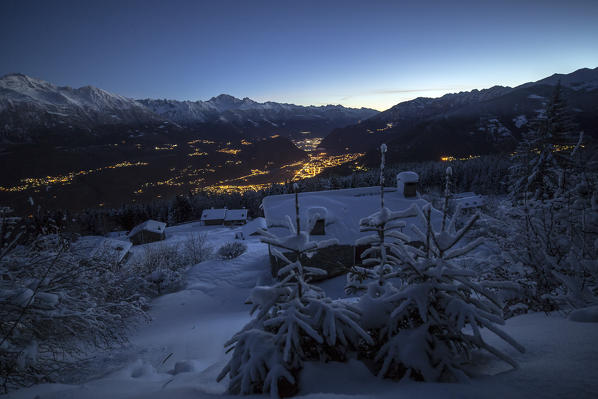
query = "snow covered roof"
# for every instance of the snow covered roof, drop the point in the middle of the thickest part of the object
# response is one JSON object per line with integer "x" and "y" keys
{"x": 253, "y": 226}
{"x": 97, "y": 246}
{"x": 236, "y": 214}
{"x": 408, "y": 177}
{"x": 213, "y": 214}
{"x": 341, "y": 210}
{"x": 113, "y": 248}
{"x": 149, "y": 225}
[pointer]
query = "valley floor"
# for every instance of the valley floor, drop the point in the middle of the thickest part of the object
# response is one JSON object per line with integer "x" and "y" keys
{"x": 180, "y": 352}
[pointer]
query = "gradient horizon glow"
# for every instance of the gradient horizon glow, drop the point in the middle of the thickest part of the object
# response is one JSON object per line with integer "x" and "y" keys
{"x": 355, "y": 53}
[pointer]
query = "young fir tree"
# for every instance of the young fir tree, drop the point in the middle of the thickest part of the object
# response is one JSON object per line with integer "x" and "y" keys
{"x": 545, "y": 157}
{"x": 551, "y": 194}
{"x": 385, "y": 228}
{"x": 294, "y": 321}
{"x": 427, "y": 320}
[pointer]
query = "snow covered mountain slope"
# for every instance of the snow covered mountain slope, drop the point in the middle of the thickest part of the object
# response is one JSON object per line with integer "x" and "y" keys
{"x": 27, "y": 102}
{"x": 582, "y": 79}
{"x": 474, "y": 122}
{"x": 258, "y": 118}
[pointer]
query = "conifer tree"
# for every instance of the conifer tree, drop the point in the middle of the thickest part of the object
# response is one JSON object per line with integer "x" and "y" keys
{"x": 544, "y": 158}
{"x": 426, "y": 312}
{"x": 294, "y": 321}
{"x": 385, "y": 228}
{"x": 551, "y": 196}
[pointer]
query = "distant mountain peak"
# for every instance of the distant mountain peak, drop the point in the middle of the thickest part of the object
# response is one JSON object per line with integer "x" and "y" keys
{"x": 581, "y": 79}
{"x": 28, "y": 103}
{"x": 224, "y": 98}
{"x": 16, "y": 80}
{"x": 13, "y": 74}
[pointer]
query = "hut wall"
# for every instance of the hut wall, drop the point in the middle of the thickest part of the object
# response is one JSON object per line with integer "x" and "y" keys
{"x": 144, "y": 237}
{"x": 336, "y": 260}
{"x": 234, "y": 222}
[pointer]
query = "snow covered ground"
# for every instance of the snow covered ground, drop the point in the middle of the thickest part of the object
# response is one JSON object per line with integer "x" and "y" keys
{"x": 180, "y": 352}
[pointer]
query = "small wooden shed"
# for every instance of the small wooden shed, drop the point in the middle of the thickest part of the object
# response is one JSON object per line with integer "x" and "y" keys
{"x": 212, "y": 216}
{"x": 235, "y": 217}
{"x": 148, "y": 231}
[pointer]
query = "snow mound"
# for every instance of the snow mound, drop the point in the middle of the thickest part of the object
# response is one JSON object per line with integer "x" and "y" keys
{"x": 585, "y": 315}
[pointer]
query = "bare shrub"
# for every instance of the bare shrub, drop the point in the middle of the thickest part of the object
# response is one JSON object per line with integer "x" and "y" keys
{"x": 55, "y": 307}
{"x": 232, "y": 250}
{"x": 162, "y": 268}
{"x": 196, "y": 248}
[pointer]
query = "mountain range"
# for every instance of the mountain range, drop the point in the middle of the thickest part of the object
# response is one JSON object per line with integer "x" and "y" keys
{"x": 88, "y": 147}
{"x": 29, "y": 106}
{"x": 458, "y": 124}
{"x": 467, "y": 123}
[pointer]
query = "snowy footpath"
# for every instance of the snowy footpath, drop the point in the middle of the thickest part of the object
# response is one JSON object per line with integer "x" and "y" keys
{"x": 179, "y": 353}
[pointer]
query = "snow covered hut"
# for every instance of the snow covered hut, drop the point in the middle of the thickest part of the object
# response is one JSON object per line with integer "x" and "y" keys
{"x": 97, "y": 247}
{"x": 336, "y": 214}
{"x": 252, "y": 228}
{"x": 115, "y": 250}
{"x": 148, "y": 231}
{"x": 235, "y": 216}
{"x": 213, "y": 216}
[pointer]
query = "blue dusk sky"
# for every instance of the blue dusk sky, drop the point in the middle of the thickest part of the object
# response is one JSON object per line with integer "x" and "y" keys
{"x": 355, "y": 53}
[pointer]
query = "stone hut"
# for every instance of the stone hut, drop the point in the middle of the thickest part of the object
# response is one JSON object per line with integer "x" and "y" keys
{"x": 148, "y": 231}
{"x": 336, "y": 214}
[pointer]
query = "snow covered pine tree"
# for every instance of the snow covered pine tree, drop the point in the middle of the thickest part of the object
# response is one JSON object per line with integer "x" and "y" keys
{"x": 378, "y": 262}
{"x": 427, "y": 325}
{"x": 435, "y": 305}
{"x": 294, "y": 322}
{"x": 552, "y": 211}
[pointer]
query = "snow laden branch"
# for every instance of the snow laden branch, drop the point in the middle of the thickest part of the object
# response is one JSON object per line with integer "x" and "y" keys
{"x": 379, "y": 259}
{"x": 386, "y": 228}
{"x": 433, "y": 311}
{"x": 55, "y": 307}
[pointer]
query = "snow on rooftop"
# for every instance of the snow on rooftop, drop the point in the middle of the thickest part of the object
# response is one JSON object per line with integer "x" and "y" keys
{"x": 408, "y": 177}
{"x": 341, "y": 209}
{"x": 253, "y": 226}
{"x": 148, "y": 225}
{"x": 213, "y": 214}
{"x": 236, "y": 214}
{"x": 102, "y": 247}
{"x": 113, "y": 248}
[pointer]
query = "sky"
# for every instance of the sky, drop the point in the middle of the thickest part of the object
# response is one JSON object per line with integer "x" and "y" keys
{"x": 355, "y": 53}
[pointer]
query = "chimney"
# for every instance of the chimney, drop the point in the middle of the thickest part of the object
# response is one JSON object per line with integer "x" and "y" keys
{"x": 407, "y": 184}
